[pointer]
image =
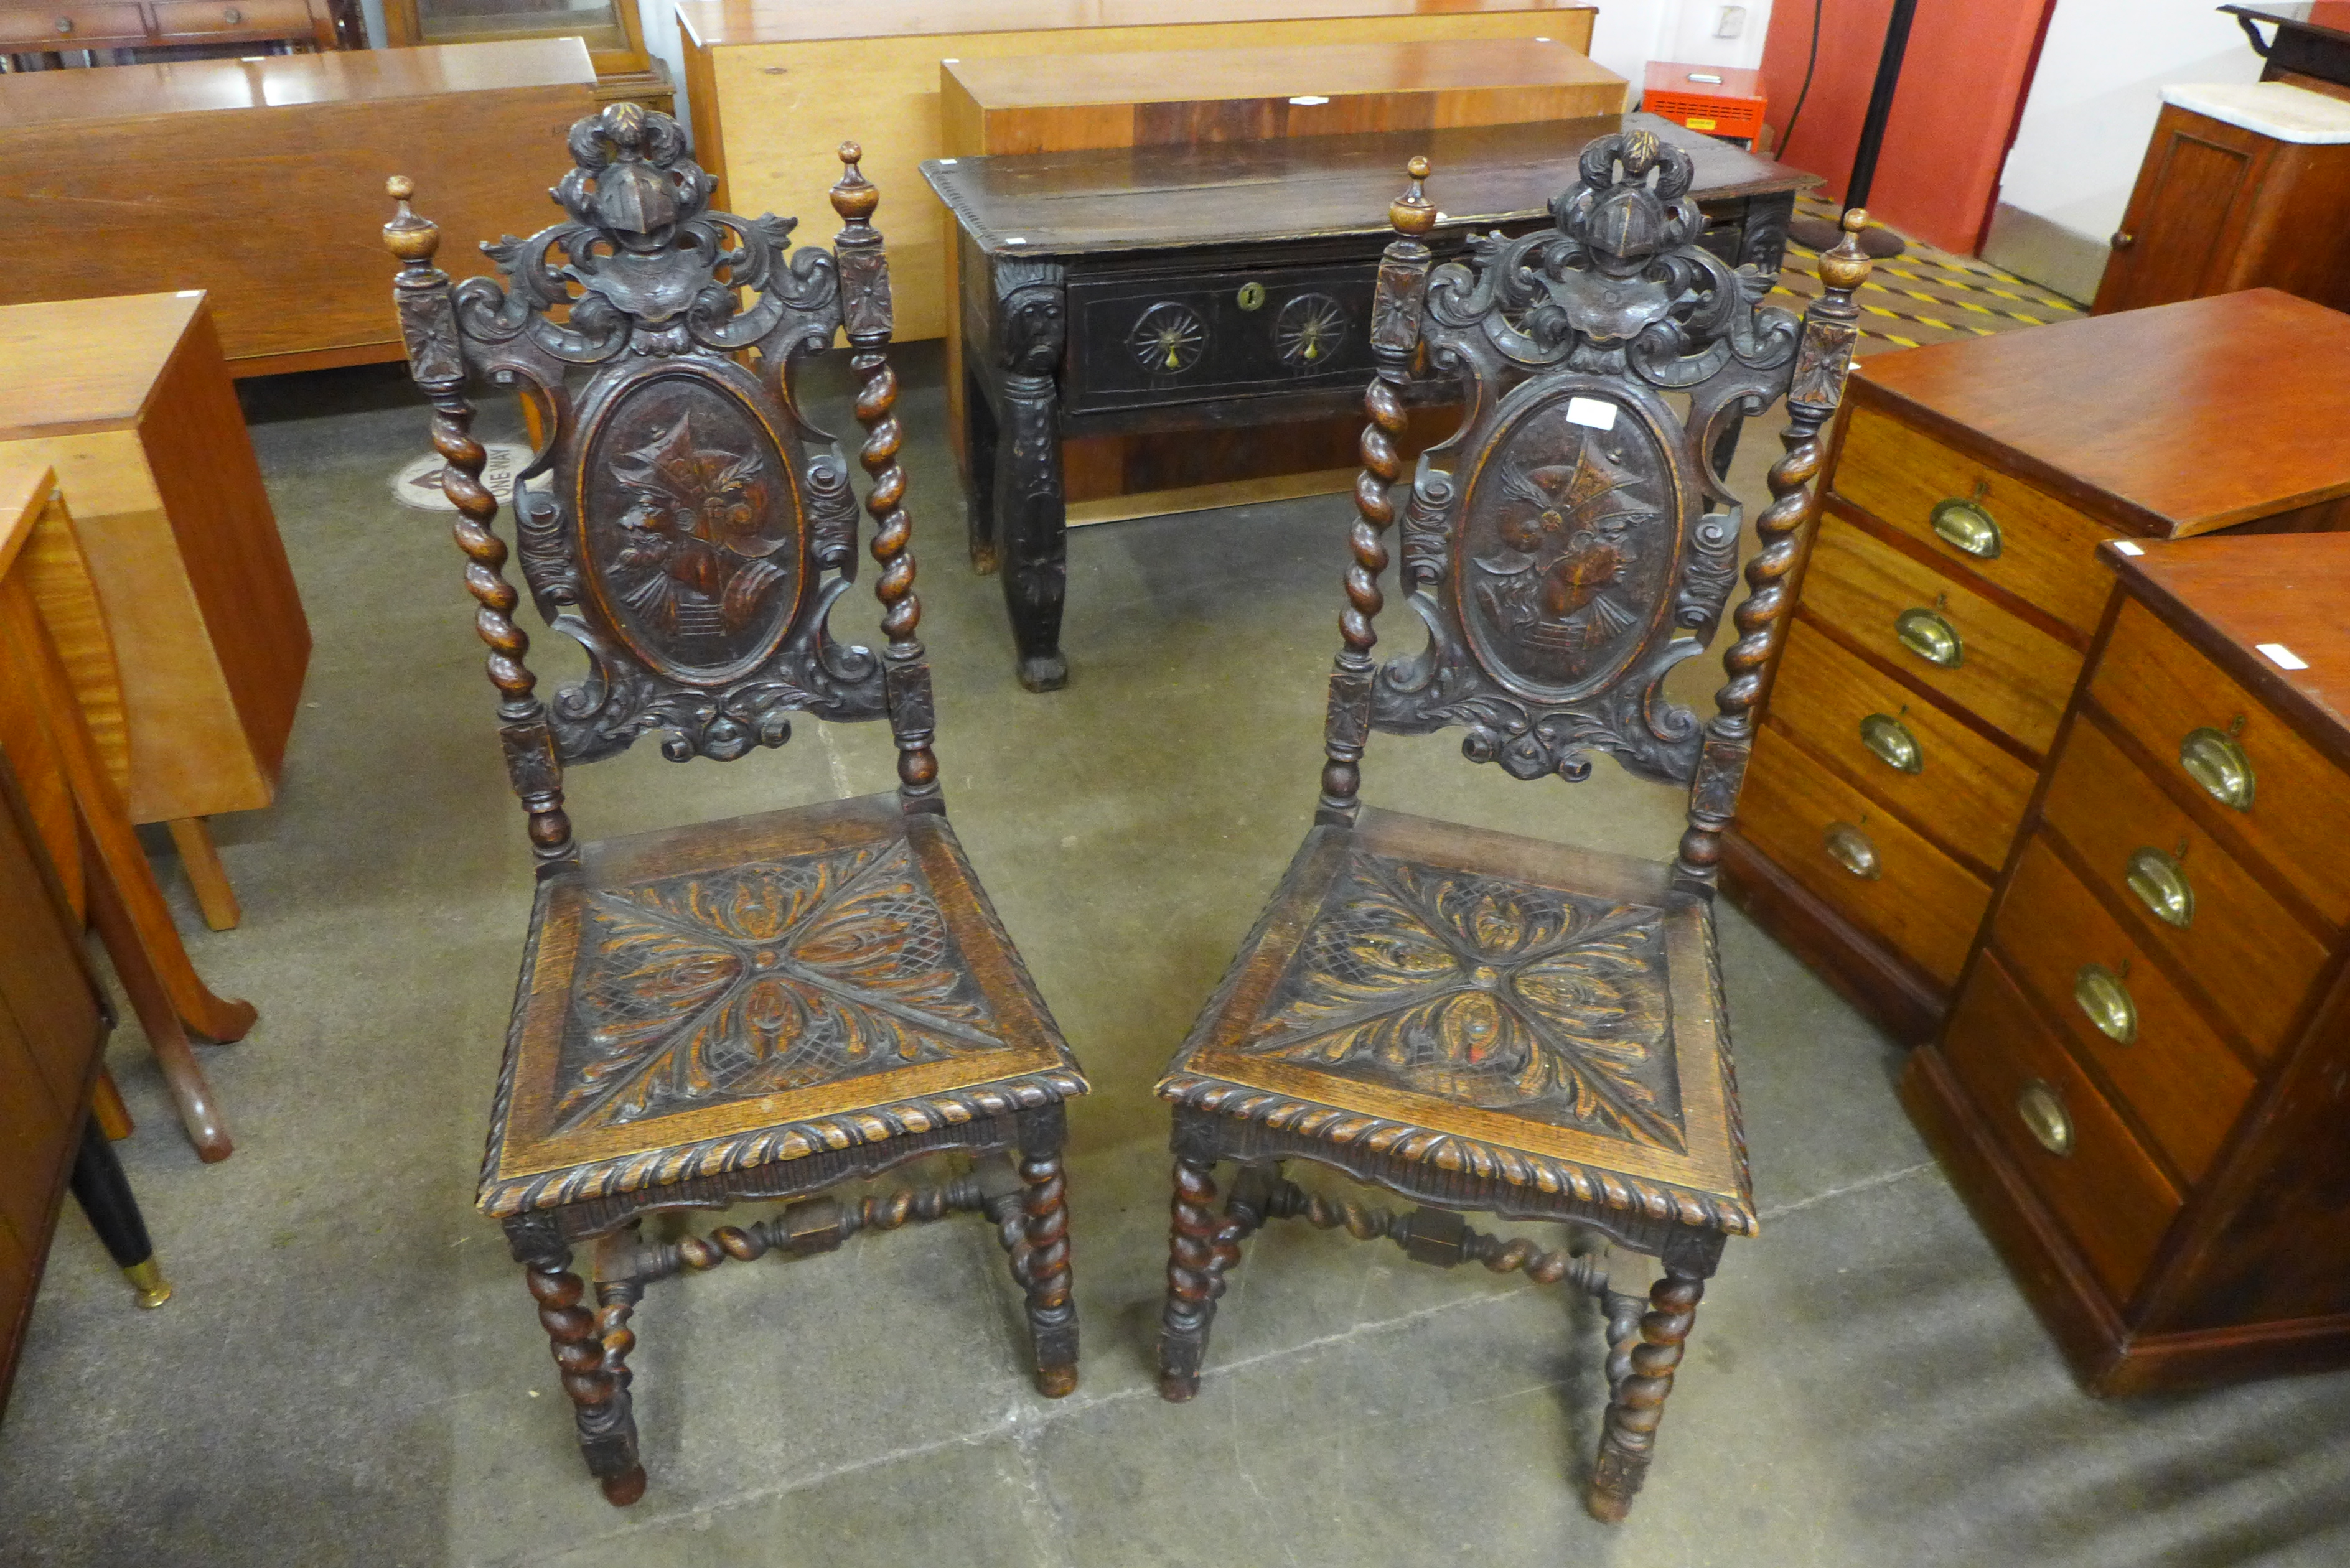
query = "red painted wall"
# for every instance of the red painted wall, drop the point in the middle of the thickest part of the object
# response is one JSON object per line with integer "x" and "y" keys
{"x": 1963, "y": 83}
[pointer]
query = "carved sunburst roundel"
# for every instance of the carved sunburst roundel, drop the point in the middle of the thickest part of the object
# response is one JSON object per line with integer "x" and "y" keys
{"x": 761, "y": 979}
{"x": 1169, "y": 339}
{"x": 1487, "y": 992}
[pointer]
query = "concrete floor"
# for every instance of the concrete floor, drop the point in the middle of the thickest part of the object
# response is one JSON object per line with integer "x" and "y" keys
{"x": 350, "y": 1371}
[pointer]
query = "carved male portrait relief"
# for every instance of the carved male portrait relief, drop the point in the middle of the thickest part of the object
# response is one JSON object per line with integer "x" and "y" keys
{"x": 693, "y": 506}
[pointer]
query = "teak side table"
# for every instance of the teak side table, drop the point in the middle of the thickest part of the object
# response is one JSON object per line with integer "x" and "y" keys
{"x": 130, "y": 402}
{"x": 58, "y": 694}
{"x": 1220, "y": 286}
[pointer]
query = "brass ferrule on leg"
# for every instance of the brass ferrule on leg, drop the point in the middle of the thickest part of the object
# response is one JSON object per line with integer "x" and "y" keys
{"x": 147, "y": 1278}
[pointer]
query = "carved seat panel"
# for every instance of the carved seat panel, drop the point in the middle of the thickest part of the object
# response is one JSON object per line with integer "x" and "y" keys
{"x": 711, "y": 999}
{"x": 1526, "y": 1012}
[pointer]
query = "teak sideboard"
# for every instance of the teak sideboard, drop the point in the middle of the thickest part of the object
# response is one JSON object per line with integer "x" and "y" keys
{"x": 760, "y": 73}
{"x": 261, "y": 181}
{"x": 2142, "y": 1090}
{"x": 1950, "y": 590}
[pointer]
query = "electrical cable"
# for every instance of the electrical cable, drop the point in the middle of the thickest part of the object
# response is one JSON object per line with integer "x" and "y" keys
{"x": 1810, "y": 61}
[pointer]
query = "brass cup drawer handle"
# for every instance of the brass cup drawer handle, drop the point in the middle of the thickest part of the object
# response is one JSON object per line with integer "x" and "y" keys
{"x": 2215, "y": 761}
{"x": 1849, "y": 848}
{"x": 2044, "y": 1117}
{"x": 2099, "y": 992}
{"x": 1891, "y": 741}
{"x": 1968, "y": 526}
{"x": 1931, "y": 637}
{"x": 2161, "y": 885}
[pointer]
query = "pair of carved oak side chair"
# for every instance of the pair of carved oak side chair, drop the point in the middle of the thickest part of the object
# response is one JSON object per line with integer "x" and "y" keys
{"x": 1482, "y": 1022}
{"x": 759, "y": 1007}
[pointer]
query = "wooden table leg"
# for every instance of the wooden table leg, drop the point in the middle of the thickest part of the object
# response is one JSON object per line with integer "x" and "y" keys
{"x": 107, "y": 1109}
{"x": 193, "y": 839}
{"x": 126, "y": 944}
{"x": 1031, "y": 511}
{"x": 104, "y": 1195}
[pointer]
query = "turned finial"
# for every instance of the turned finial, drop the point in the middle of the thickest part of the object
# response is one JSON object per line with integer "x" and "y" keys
{"x": 1412, "y": 212}
{"x": 855, "y": 197}
{"x": 411, "y": 238}
{"x": 1846, "y": 266}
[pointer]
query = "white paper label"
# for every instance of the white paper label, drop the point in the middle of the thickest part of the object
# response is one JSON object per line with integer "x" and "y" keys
{"x": 1593, "y": 411}
{"x": 2281, "y": 656}
{"x": 1309, "y": 100}
{"x": 2127, "y": 549}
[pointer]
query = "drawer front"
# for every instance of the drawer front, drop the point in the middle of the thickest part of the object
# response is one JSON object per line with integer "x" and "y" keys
{"x": 1966, "y": 793}
{"x": 2161, "y": 690}
{"x": 2158, "y": 1052}
{"x": 2104, "y": 1188}
{"x": 2254, "y": 960}
{"x": 2023, "y": 539}
{"x": 232, "y": 18}
{"x": 1919, "y": 900}
{"x": 71, "y": 27}
{"x": 1142, "y": 342}
{"x": 2012, "y": 676}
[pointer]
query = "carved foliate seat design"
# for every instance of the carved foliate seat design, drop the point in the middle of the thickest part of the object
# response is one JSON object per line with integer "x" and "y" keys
{"x": 766, "y": 1006}
{"x": 760, "y": 979}
{"x": 1497, "y": 993}
{"x": 1485, "y": 1022}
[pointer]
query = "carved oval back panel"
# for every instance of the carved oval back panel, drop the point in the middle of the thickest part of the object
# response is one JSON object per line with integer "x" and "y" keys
{"x": 692, "y": 533}
{"x": 1569, "y": 540}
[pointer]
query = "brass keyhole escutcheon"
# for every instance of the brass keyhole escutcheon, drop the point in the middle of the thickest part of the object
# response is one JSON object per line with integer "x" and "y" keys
{"x": 2044, "y": 1117}
{"x": 1252, "y": 296}
{"x": 2099, "y": 992}
{"x": 2219, "y": 764}
{"x": 1930, "y": 636}
{"x": 1851, "y": 848}
{"x": 1966, "y": 525}
{"x": 1889, "y": 739}
{"x": 2160, "y": 883}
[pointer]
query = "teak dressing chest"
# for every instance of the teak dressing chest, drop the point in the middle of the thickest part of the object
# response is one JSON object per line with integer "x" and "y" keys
{"x": 1951, "y": 589}
{"x": 2142, "y": 1089}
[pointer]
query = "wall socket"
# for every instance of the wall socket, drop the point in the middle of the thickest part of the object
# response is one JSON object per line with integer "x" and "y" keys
{"x": 1731, "y": 24}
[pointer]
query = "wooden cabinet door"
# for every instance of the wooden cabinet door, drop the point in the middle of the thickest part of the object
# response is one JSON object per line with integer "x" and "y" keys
{"x": 2188, "y": 213}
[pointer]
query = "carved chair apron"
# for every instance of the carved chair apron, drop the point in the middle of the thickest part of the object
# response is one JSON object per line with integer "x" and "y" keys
{"x": 767, "y": 1006}
{"x": 1483, "y": 1022}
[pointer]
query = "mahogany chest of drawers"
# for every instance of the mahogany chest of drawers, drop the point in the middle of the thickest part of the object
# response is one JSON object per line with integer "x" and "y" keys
{"x": 1950, "y": 590}
{"x": 2144, "y": 1087}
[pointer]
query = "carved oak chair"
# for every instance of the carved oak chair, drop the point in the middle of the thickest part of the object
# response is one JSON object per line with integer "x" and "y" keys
{"x": 759, "y": 1007}
{"x": 1478, "y": 1022}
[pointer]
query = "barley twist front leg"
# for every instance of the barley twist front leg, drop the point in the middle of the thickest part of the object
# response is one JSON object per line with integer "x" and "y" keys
{"x": 1202, "y": 1245}
{"x": 1042, "y": 1263}
{"x": 608, "y": 1428}
{"x": 1629, "y": 1439}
